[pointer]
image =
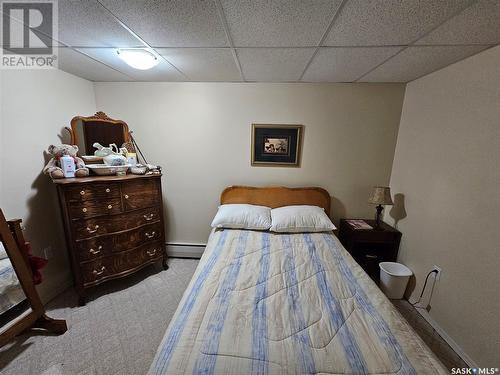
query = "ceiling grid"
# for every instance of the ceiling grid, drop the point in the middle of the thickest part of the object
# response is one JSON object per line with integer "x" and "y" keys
{"x": 274, "y": 40}
{"x": 229, "y": 38}
{"x": 417, "y": 39}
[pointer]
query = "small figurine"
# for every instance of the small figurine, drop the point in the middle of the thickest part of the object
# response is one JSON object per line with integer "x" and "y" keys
{"x": 111, "y": 157}
{"x": 103, "y": 151}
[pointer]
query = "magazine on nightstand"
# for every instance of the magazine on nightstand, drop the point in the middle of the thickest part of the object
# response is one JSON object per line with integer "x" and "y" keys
{"x": 359, "y": 224}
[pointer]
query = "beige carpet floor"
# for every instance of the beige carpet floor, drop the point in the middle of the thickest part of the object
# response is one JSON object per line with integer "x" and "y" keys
{"x": 431, "y": 337}
{"x": 117, "y": 332}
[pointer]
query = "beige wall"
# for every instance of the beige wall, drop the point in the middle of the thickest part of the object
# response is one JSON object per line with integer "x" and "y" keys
{"x": 200, "y": 134}
{"x": 447, "y": 166}
{"x": 35, "y": 106}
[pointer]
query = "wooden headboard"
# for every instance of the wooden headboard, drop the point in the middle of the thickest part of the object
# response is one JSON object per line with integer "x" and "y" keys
{"x": 277, "y": 196}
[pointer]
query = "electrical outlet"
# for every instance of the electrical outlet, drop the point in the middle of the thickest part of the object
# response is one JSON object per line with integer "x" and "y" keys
{"x": 47, "y": 252}
{"x": 439, "y": 270}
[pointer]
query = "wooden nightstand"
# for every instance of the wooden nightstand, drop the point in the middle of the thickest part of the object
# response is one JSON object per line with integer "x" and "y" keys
{"x": 369, "y": 247}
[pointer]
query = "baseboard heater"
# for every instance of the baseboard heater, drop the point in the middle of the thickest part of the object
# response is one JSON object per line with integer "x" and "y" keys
{"x": 185, "y": 250}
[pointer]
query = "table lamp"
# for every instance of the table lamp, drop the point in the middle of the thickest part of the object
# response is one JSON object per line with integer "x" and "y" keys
{"x": 381, "y": 196}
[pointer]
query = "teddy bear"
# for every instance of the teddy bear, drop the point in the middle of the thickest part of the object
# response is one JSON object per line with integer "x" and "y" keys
{"x": 53, "y": 167}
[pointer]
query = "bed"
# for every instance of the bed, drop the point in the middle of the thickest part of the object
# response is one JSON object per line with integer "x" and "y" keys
{"x": 267, "y": 303}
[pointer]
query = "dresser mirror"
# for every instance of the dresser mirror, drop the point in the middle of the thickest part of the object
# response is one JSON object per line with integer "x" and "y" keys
{"x": 85, "y": 131}
{"x": 21, "y": 307}
{"x": 13, "y": 302}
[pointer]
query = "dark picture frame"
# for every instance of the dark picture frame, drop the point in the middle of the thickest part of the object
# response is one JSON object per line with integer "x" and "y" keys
{"x": 276, "y": 145}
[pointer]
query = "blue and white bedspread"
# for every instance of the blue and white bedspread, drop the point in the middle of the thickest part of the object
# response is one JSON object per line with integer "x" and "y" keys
{"x": 264, "y": 303}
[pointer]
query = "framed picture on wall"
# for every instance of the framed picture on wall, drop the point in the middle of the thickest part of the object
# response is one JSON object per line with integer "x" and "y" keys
{"x": 276, "y": 145}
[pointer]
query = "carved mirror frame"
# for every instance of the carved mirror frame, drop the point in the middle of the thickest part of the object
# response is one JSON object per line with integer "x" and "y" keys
{"x": 98, "y": 117}
{"x": 12, "y": 237}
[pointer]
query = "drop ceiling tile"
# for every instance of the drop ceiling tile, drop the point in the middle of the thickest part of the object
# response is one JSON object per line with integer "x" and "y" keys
{"x": 278, "y": 23}
{"x": 389, "y": 22}
{"x": 203, "y": 64}
{"x": 415, "y": 62}
{"x": 343, "y": 64}
{"x": 82, "y": 66}
{"x": 88, "y": 24}
{"x": 172, "y": 23}
{"x": 273, "y": 64}
{"x": 478, "y": 24}
{"x": 161, "y": 72}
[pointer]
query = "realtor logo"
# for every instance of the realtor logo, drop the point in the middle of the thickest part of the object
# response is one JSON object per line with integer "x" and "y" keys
{"x": 29, "y": 31}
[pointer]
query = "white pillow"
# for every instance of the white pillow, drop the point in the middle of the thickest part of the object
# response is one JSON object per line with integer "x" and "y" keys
{"x": 242, "y": 216}
{"x": 300, "y": 219}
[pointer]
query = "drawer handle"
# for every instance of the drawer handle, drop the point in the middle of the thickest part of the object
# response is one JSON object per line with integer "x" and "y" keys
{"x": 151, "y": 253}
{"x": 100, "y": 272}
{"x": 92, "y": 251}
{"x": 369, "y": 256}
{"x": 110, "y": 206}
{"x": 149, "y": 217}
{"x": 126, "y": 196}
{"x": 84, "y": 209}
{"x": 82, "y": 192}
{"x": 150, "y": 235}
{"x": 90, "y": 230}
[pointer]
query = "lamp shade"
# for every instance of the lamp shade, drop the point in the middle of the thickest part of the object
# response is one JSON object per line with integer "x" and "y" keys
{"x": 381, "y": 195}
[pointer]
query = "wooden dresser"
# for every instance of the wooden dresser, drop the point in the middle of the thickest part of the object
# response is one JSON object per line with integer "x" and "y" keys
{"x": 113, "y": 226}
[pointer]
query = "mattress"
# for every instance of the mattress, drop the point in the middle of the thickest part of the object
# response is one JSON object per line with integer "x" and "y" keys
{"x": 264, "y": 303}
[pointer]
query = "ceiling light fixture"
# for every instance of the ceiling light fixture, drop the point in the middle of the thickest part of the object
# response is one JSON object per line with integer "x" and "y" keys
{"x": 138, "y": 58}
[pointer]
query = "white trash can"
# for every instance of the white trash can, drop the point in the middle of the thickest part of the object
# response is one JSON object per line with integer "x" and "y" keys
{"x": 393, "y": 279}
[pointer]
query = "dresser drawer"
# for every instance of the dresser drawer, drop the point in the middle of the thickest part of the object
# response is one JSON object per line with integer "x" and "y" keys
{"x": 92, "y": 191}
{"x": 95, "y": 208}
{"x": 113, "y": 243}
{"x": 141, "y": 194}
{"x": 122, "y": 263}
{"x": 94, "y": 248}
{"x": 368, "y": 256}
{"x": 136, "y": 237}
{"x": 88, "y": 228}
